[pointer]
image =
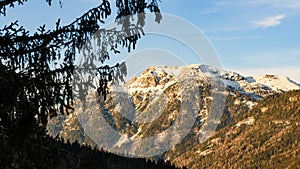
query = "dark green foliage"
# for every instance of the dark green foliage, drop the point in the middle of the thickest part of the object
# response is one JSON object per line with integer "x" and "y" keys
{"x": 44, "y": 152}
{"x": 31, "y": 86}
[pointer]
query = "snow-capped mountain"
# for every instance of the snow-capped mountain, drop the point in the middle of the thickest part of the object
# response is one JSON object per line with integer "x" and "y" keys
{"x": 159, "y": 77}
{"x": 152, "y": 102}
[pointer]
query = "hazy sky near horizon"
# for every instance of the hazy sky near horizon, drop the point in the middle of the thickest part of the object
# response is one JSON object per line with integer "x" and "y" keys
{"x": 252, "y": 37}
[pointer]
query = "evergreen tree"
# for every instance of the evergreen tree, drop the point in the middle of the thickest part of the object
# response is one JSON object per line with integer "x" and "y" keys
{"x": 36, "y": 74}
{"x": 36, "y": 70}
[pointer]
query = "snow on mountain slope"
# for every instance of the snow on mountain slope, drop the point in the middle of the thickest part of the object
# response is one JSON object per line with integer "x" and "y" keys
{"x": 277, "y": 82}
{"x": 158, "y": 78}
{"x": 162, "y": 90}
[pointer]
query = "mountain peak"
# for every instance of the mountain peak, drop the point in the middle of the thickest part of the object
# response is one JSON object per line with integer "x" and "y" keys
{"x": 277, "y": 83}
{"x": 161, "y": 76}
{"x": 158, "y": 96}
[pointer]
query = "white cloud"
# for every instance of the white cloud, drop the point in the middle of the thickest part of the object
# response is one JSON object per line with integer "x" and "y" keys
{"x": 269, "y": 22}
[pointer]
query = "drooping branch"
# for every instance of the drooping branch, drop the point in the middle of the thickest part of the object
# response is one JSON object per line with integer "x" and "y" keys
{"x": 37, "y": 70}
{"x": 4, "y": 3}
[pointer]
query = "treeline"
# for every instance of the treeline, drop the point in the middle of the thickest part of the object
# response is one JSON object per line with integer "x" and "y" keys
{"x": 41, "y": 151}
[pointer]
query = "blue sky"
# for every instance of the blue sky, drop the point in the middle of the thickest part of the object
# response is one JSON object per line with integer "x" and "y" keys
{"x": 252, "y": 37}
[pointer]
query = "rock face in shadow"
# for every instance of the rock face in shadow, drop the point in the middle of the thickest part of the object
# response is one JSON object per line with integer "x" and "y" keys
{"x": 153, "y": 101}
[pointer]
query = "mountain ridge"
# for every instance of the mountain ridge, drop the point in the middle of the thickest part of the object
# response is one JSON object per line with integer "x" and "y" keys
{"x": 266, "y": 137}
{"x": 241, "y": 93}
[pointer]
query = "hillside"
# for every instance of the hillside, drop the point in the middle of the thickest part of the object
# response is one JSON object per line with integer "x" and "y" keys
{"x": 157, "y": 98}
{"x": 43, "y": 152}
{"x": 266, "y": 137}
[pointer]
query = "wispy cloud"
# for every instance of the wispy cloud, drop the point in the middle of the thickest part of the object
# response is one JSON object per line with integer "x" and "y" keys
{"x": 209, "y": 11}
{"x": 232, "y": 38}
{"x": 269, "y": 22}
{"x": 288, "y": 4}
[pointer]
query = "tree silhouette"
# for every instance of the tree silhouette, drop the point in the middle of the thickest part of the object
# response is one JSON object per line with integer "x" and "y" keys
{"x": 37, "y": 73}
{"x": 37, "y": 70}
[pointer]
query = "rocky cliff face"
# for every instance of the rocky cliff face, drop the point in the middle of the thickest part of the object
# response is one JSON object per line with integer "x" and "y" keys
{"x": 188, "y": 104}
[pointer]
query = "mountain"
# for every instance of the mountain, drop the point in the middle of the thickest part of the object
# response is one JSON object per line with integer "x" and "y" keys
{"x": 268, "y": 136}
{"x": 188, "y": 104}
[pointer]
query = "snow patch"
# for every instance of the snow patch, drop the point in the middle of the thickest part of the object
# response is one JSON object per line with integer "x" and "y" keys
{"x": 277, "y": 83}
{"x": 248, "y": 121}
{"x": 204, "y": 153}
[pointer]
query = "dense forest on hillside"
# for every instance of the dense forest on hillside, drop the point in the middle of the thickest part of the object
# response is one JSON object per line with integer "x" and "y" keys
{"x": 272, "y": 141}
{"x": 40, "y": 151}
